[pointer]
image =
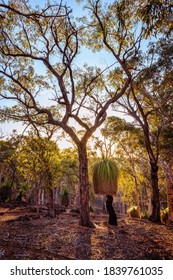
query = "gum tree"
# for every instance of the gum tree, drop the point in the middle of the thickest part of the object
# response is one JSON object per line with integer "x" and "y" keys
{"x": 38, "y": 75}
{"x": 148, "y": 102}
{"x": 166, "y": 162}
{"x": 127, "y": 137}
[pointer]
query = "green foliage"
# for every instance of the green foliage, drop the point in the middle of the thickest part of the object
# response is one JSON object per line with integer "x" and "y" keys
{"x": 69, "y": 167}
{"x": 5, "y": 185}
{"x": 65, "y": 196}
{"x": 8, "y": 148}
{"x": 36, "y": 162}
{"x": 156, "y": 16}
{"x": 112, "y": 21}
{"x": 105, "y": 177}
{"x": 8, "y": 161}
{"x": 23, "y": 189}
{"x": 166, "y": 141}
{"x": 145, "y": 215}
{"x": 121, "y": 131}
{"x": 115, "y": 125}
{"x": 40, "y": 157}
{"x": 126, "y": 186}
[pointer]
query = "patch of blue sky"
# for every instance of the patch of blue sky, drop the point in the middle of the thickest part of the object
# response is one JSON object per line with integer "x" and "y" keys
{"x": 6, "y": 129}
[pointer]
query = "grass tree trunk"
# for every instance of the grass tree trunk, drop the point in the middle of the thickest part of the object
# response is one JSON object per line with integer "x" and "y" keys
{"x": 84, "y": 187}
{"x": 110, "y": 209}
{"x": 155, "y": 200}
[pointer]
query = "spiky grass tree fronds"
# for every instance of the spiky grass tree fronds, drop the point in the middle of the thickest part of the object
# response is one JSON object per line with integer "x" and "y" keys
{"x": 105, "y": 177}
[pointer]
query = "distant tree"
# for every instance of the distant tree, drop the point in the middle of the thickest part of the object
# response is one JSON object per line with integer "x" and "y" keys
{"x": 39, "y": 162}
{"x": 9, "y": 174}
{"x": 166, "y": 162}
{"x": 69, "y": 175}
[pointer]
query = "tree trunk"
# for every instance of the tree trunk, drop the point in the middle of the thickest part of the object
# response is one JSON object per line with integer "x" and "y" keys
{"x": 52, "y": 204}
{"x": 84, "y": 187}
{"x": 169, "y": 182}
{"x": 155, "y": 200}
{"x": 137, "y": 197}
{"x": 38, "y": 190}
{"x": 110, "y": 209}
{"x": 149, "y": 195}
{"x": 12, "y": 184}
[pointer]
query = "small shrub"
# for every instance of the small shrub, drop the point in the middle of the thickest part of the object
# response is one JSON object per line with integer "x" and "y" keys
{"x": 144, "y": 215}
{"x": 132, "y": 211}
{"x": 164, "y": 215}
{"x": 65, "y": 196}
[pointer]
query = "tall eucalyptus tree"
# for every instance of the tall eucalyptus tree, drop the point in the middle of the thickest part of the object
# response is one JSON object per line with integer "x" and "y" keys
{"x": 39, "y": 48}
{"x": 148, "y": 102}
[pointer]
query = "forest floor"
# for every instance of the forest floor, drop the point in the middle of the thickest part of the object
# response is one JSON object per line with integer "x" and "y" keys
{"x": 24, "y": 236}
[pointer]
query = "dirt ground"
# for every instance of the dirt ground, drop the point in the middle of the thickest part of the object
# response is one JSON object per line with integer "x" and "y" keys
{"x": 24, "y": 236}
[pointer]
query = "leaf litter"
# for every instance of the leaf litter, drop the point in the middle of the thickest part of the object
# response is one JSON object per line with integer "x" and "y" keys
{"x": 24, "y": 235}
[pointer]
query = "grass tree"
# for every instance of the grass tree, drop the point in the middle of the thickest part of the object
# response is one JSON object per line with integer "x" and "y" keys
{"x": 105, "y": 181}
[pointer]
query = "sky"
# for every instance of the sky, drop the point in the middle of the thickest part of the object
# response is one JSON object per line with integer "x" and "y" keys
{"x": 102, "y": 59}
